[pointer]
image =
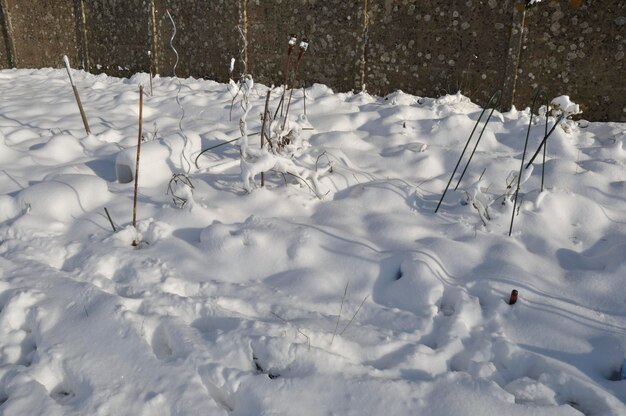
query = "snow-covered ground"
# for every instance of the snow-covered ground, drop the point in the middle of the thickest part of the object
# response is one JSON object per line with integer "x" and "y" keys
{"x": 277, "y": 302}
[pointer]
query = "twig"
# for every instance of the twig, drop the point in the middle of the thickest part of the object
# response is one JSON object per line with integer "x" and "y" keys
{"x": 355, "y": 313}
{"x": 343, "y": 298}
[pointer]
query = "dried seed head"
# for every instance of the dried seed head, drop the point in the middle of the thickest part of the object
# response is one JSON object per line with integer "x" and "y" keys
{"x": 304, "y": 44}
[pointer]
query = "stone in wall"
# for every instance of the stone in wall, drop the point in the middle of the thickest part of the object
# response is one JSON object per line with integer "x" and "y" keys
{"x": 334, "y": 29}
{"x": 42, "y": 32}
{"x": 118, "y": 36}
{"x": 431, "y": 48}
{"x": 576, "y": 49}
{"x": 207, "y": 37}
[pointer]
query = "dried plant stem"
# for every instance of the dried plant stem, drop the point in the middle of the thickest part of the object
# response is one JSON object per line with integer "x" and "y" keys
{"x": 354, "y": 316}
{"x": 296, "y": 78}
{"x": 137, "y": 161}
{"x": 343, "y": 299}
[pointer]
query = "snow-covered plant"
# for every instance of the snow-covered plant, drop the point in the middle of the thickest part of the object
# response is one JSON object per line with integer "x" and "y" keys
{"x": 563, "y": 107}
{"x": 511, "y": 182}
{"x": 281, "y": 156}
{"x": 478, "y": 199}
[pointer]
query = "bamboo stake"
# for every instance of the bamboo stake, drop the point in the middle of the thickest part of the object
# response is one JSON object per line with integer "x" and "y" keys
{"x": 80, "y": 105}
{"x": 135, "y": 242}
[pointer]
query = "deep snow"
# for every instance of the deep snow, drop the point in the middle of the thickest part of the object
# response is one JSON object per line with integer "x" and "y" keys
{"x": 230, "y": 304}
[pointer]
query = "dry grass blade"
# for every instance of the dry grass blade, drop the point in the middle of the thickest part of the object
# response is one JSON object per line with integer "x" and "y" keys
{"x": 343, "y": 299}
{"x": 354, "y": 316}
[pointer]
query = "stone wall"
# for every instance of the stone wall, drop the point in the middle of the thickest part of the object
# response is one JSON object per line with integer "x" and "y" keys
{"x": 424, "y": 47}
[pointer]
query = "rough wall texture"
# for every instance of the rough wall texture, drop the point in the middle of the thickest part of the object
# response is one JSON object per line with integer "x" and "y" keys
{"x": 206, "y": 37}
{"x": 118, "y": 36}
{"x": 436, "y": 47}
{"x": 578, "y": 51}
{"x": 424, "y": 47}
{"x": 334, "y": 29}
{"x": 42, "y": 31}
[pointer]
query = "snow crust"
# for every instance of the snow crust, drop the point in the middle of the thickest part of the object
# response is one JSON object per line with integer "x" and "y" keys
{"x": 351, "y": 297}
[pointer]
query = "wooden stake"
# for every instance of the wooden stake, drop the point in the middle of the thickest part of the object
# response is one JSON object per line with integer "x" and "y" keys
{"x": 80, "y": 105}
{"x": 135, "y": 242}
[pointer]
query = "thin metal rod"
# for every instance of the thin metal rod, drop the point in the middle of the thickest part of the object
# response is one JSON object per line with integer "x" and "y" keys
{"x": 499, "y": 93}
{"x": 219, "y": 145}
{"x": 545, "y": 147}
{"x": 137, "y": 161}
{"x": 538, "y": 92}
{"x": 110, "y": 220}
{"x": 267, "y": 102}
{"x": 545, "y": 139}
{"x": 480, "y": 136}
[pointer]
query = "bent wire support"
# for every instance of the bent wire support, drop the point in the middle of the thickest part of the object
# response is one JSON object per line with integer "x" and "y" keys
{"x": 497, "y": 94}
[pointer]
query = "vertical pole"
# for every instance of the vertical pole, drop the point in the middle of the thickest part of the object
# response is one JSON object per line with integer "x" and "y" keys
{"x": 515, "y": 44}
{"x": 7, "y": 31}
{"x": 83, "y": 20}
{"x": 363, "y": 62}
{"x": 137, "y": 161}
{"x": 155, "y": 44}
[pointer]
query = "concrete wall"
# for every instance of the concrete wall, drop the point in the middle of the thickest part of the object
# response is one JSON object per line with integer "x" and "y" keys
{"x": 424, "y": 47}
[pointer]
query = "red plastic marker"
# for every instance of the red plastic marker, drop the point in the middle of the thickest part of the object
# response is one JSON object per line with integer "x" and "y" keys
{"x": 513, "y": 298}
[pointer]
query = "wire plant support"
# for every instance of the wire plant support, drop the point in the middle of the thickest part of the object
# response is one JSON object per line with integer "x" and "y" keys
{"x": 495, "y": 99}
{"x": 539, "y": 92}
